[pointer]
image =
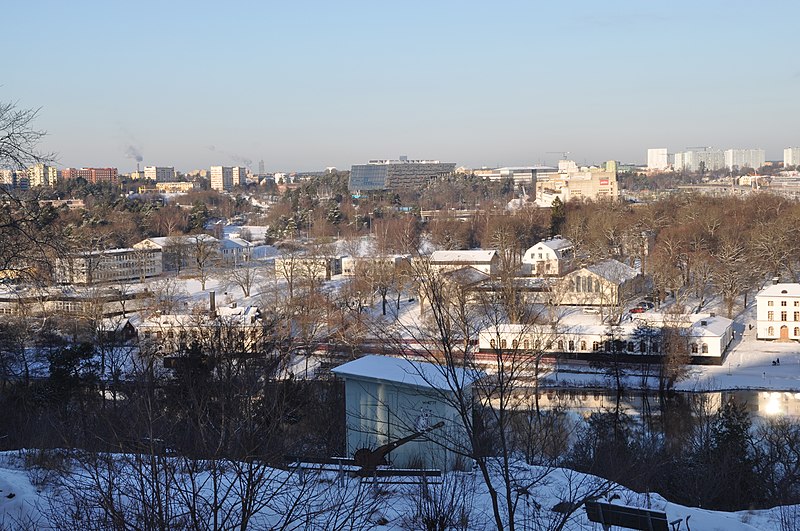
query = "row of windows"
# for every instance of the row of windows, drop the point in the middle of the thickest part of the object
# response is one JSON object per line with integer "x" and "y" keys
{"x": 597, "y": 346}
{"x": 783, "y": 303}
{"x": 795, "y": 331}
{"x": 784, "y": 315}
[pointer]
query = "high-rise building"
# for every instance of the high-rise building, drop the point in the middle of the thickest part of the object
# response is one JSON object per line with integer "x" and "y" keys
{"x": 395, "y": 174}
{"x": 697, "y": 159}
{"x": 744, "y": 158}
{"x": 239, "y": 175}
{"x": 791, "y": 157}
{"x": 41, "y": 174}
{"x": 160, "y": 174}
{"x": 657, "y": 159}
{"x": 221, "y": 178}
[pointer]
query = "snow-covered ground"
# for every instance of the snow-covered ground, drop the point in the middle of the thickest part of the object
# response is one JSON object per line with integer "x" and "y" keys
{"x": 29, "y": 495}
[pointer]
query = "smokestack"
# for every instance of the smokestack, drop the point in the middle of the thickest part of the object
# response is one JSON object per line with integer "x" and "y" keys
{"x": 137, "y": 167}
{"x": 212, "y": 303}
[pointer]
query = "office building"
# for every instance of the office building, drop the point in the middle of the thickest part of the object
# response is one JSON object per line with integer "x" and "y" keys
{"x": 522, "y": 175}
{"x": 736, "y": 159}
{"x": 160, "y": 174}
{"x": 92, "y": 175}
{"x": 657, "y": 159}
{"x": 396, "y": 174}
{"x": 791, "y": 157}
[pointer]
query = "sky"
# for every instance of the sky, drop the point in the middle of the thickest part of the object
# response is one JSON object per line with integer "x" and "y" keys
{"x": 304, "y": 85}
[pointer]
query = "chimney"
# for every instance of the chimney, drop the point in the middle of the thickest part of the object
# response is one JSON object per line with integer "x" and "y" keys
{"x": 775, "y": 280}
{"x": 212, "y": 303}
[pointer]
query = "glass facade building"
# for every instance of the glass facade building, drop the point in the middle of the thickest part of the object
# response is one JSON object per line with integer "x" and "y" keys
{"x": 394, "y": 174}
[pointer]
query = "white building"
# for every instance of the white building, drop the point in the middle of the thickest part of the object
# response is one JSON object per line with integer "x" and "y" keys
{"x": 707, "y": 336}
{"x": 744, "y": 158}
{"x": 696, "y": 159}
{"x": 390, "y": 398}
{"x": 522, "y": 175}
{"x": 160, "y": 174}
{"x": 353, "y": 265}
{"x": 486, "y": 261}
{"x": 791, "y": 157}
{"x": 42, "y": 175}
{"x": 224, "y": 178}
{"x": 551, "y": 257}
{"x": 239, "y": 175}
{"x": 112, "y": 265}
{"x": 235, "y": 251}
{"x": 657, "y": 159}
{"x": 778, "y": 312}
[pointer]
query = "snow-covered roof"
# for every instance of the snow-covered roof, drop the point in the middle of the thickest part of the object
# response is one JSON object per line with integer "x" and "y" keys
{"x": 466, "y": 276}
{"x": 613, "y": 270}
{"x": 406, "y": 372}
{"x": 471, "y": 256}
{"x": 712, "y": 326}
{"x": 161, "y": 241}
{"x": 555, "y": 243}
{"x": 781, "y": 290}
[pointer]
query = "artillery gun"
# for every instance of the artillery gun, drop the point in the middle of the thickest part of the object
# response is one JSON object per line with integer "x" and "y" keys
{"x": 369, "y": 460}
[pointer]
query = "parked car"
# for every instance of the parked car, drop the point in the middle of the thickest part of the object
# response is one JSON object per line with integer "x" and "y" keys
{"x": 637, "y": 309}
{"x": 592, "y": 311}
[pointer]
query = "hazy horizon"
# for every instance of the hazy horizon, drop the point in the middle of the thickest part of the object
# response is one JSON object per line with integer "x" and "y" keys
{"x": 307, "y": 85}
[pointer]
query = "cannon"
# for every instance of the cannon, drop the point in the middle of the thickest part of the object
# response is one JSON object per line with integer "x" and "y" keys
{"x": 369, "y": 459}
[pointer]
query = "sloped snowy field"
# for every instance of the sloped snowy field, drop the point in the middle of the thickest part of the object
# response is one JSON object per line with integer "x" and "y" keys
{"x": 31, "y": 498}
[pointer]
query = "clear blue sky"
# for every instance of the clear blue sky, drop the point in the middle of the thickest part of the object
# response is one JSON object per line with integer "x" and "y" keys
{"x": 304, "y": 85}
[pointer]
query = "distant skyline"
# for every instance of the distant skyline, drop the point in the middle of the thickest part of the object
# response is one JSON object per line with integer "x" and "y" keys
{"x": 304, "y": 85}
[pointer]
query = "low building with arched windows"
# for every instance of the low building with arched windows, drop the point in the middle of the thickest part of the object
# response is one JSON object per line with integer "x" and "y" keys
{"x": 778, "y": 312}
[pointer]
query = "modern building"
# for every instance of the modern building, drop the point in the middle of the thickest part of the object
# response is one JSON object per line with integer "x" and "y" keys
{"x": 396, "y": 174}
{"x": 778, "y": 312}
{"x": 356, "y": 265}
{"x": 112, "y": 265}
{"x": 700, "y": 159}
{"x": 791, "y": 157}
{"x": 550, "y": 257}
{"x": 224, "y": 178}
{"x": 179, "y": 252}
{"x": 657, "y": 159}
{"x": 41, "y": 174}
{"x": 572, "y": 182}
{"x": 387, "y": 399}
{"x": 160, "y": 174}
{"x": 522, "y": 175}
{"x": 744, "y": 158}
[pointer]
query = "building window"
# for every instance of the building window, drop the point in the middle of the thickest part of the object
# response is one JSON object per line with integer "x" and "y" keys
{"x": 654, "y": 347}
{"x": 526, "y": 344}
{"x": 705, "y": 348}
{"x": 770, "y": 315}
{"x": 770, "y": 303}
{"x": 514, "y": 344}
{"x": 642, "y": 346}
{"x": 492, "y": 343}
{"x": 783, "y": 303}
{"x": 583, "y": 345}
{"x": 797, "y": 303}
{"x": 630, "y": 346}
{"x": 595, "y": 346}
{"x": 797, "y": 316}
{"x": 560, "y": 344}
{"x": 503, "y": 343}
{"x": 783, "y": 316}
{"x": 571, "y": 346}
{"x": 796, "y": 331}
{"x": 771, "y": 331}
{"x": 694, "y": 348}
